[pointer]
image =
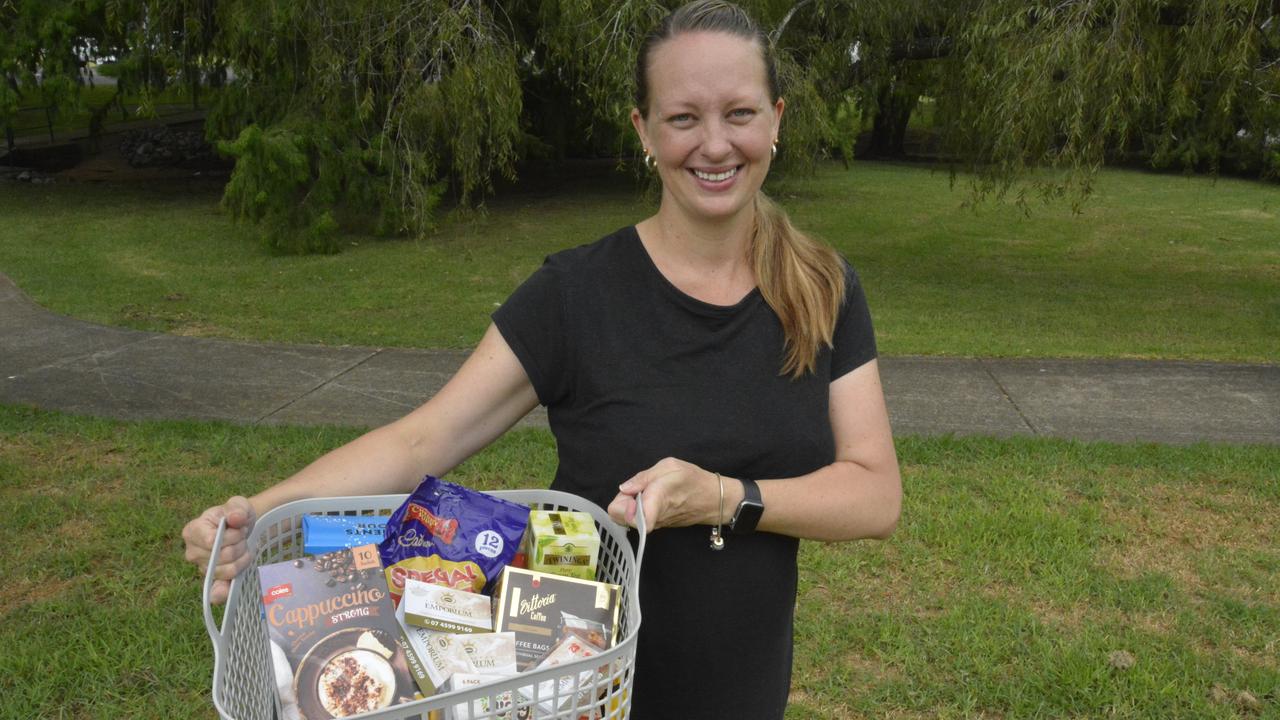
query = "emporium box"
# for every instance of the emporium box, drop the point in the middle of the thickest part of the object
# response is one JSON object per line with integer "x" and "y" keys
{"x": 444, "y": 609}
{"x": 541, "y": 608}
{"x": 564, "y": 543}
{"x": 341, "y": 650}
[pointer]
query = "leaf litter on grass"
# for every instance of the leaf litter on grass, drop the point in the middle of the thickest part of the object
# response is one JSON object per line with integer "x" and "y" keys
{"x": 1168, "y": 526}
{"x": 1134, "y": 524}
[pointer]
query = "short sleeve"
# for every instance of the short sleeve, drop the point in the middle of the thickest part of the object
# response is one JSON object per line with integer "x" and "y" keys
{"x": 533, "y": 323}
{"x": 854, "y": 342}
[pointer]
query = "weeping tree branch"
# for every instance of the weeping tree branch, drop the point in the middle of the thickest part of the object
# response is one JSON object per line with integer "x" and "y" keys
{"x": 786, "y": 20}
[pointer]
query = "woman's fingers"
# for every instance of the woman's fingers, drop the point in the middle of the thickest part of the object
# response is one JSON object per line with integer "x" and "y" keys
{"x": 219, "y": 591}
{"x": 231, "y": 568}
{"x": 675, "y": 494}
{"x": 622, "y": 510}
{"x": 233, "y": 556}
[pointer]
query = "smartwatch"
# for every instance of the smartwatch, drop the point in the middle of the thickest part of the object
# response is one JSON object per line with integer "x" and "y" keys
{"x": 749, "y": 510}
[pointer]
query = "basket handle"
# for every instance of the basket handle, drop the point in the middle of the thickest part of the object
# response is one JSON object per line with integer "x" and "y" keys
{"x": 215, "y": 634}
{"x": 644, "y": 532}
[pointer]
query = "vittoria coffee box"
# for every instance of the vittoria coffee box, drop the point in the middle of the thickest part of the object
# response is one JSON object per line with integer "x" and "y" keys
{"x": 542, "y": 608}
{"x": 342, "y": 650}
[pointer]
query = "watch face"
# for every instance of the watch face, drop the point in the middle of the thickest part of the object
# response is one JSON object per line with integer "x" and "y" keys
{"x": 748, "y": 515}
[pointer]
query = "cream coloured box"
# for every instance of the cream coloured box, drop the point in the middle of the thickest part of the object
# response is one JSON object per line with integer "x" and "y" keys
{"x": 563, "y": 543}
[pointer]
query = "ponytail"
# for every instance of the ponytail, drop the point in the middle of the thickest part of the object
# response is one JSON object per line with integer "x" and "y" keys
{"x": 801, "y": 279}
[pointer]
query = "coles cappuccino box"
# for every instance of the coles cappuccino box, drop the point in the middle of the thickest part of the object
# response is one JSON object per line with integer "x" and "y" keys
{"x": 542, "y": 608}
{"x": 342, "y": 651}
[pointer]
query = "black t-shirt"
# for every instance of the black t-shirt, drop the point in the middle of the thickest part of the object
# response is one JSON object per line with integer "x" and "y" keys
{"x": 633, "y": 370}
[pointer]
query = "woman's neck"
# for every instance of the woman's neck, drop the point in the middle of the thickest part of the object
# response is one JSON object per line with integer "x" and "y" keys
{"x": 707, "y": 261}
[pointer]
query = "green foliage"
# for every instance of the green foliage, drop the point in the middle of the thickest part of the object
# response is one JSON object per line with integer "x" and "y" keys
{"x": 272, "y": 185}
{"x": 1069, "y": 85}
{"x": 298, "y": 177}
{"x": 449, "y": 95}
{"x": 47, "y": 48}
{"x": 1065, "y": 85}
{"x": 42, "y": 46}
{"x": 367, "y": 109}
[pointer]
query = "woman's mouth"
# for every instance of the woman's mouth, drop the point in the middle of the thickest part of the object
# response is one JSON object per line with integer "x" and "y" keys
{"x": 715, "y": 177}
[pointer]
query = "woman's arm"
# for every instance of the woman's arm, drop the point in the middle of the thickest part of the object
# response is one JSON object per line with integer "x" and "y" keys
{"x": 857, "y": 496}
{"x": 488, "y": 394}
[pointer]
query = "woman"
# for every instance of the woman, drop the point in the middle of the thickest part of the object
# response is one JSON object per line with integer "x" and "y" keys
{"x": 711, "y": 356}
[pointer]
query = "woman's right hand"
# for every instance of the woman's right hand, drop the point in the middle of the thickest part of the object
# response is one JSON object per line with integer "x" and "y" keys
{"x": 234, "y": 556}
{"x": 488, "y": 394}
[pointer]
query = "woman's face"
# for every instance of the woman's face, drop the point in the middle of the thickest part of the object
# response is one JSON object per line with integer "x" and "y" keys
{"x": 711, "y": 124}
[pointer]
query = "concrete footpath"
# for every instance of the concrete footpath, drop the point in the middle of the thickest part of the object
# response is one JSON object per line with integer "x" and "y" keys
{"x": 58, "y": 363}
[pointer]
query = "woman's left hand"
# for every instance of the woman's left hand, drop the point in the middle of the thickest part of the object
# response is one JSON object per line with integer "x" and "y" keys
{"x": 676, "y": 493}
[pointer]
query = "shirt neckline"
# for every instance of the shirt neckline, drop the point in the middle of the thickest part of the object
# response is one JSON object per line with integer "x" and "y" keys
{"x": 684, "y": 299}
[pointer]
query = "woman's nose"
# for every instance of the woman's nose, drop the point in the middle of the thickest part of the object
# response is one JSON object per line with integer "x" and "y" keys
{"x": 715, "y": 140}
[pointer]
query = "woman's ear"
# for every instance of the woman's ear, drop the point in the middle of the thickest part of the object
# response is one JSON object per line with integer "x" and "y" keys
{"x": 638, "y": 122}
{"x": 778, "y": 107}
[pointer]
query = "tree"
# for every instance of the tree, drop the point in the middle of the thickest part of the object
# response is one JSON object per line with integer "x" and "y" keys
{"x": 43, "y": 51}
{"x": 364, "y": 110}
{"x": 368, "y": 111}
{"x": 46, "y": 47}
{"x": 1068, "y": 84}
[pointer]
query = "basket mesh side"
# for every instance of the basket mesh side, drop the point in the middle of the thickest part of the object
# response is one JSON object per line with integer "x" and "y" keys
{"x": 591, "y": 695}
{"x": 247, "y": 687}
{"x": 247, "y": 690}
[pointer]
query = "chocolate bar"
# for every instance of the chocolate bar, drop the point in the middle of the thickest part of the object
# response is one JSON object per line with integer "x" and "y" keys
{"x": 326, "y": 533}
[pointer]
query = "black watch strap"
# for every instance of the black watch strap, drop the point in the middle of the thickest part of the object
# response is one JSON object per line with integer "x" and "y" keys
{"x": 747, "y": 516}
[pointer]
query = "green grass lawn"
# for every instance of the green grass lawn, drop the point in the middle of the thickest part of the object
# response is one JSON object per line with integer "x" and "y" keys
{"x": 1155, "y": 266}
{"x": 1021, "y": 570}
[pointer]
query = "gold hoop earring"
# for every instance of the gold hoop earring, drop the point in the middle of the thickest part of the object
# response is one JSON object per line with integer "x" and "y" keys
{"x": 649, "y": 162}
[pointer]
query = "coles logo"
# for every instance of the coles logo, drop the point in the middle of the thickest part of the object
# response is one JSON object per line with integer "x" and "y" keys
{"x": 278, "y": 592}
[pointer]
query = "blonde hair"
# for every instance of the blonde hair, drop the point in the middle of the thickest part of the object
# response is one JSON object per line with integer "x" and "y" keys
{"x": 800, "y": 278}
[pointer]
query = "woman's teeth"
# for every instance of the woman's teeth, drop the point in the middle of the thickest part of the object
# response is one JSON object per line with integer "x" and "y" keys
{"x": 716, "y": 177}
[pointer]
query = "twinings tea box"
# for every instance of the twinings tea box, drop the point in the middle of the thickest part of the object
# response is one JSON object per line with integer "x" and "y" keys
{"x": 343, "y": 651}
{"x": 542, "y": 608}
{"x": 564, "y": 543}
{"x": 444, "y": 609}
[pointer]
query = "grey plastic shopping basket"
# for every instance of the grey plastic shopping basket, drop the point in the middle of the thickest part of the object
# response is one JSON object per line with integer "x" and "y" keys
{"x": 243, "y": 681}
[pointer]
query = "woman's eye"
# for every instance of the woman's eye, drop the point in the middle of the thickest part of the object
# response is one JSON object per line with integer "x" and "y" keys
{"x": 743, "y": 113}
{"x": 681, "y": 118}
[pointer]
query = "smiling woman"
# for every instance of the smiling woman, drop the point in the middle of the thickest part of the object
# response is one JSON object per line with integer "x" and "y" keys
{"x": 711, "y": 127}
{"x": 711, "y": 356}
